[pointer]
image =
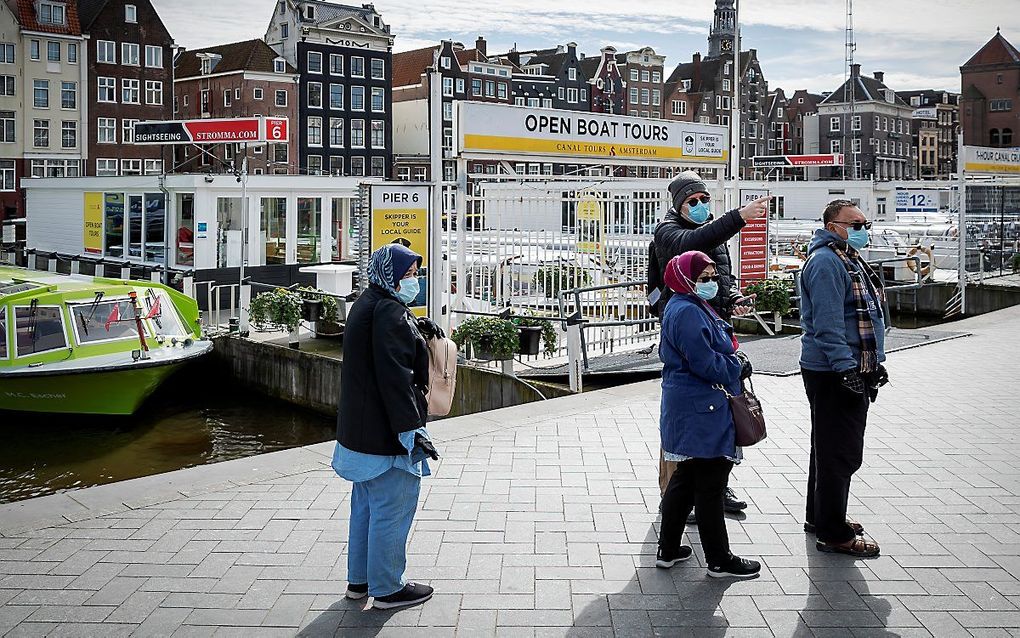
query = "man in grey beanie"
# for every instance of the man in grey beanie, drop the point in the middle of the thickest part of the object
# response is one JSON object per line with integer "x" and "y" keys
{"x": 689, "y": 225}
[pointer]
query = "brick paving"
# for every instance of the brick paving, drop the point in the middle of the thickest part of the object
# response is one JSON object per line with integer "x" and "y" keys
{"x": 542, "y": 519}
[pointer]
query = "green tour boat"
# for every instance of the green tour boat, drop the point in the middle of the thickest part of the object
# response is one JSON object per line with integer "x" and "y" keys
{"x": 90, "y": 345}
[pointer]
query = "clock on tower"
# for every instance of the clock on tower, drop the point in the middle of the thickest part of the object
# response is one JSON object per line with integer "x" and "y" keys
{"x": 726, "y": 45}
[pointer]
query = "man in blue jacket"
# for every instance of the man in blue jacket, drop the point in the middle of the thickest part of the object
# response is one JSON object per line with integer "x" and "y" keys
{"x": 842, "y": 350}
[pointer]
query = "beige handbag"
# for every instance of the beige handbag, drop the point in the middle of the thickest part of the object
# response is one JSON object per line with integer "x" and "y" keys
{"x": 442, "y": 375}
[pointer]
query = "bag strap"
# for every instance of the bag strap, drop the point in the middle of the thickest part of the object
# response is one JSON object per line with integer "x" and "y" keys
{"x": 723, "y": 389}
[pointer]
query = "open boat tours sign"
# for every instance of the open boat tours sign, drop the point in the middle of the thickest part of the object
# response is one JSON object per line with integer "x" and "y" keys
{"x": 500, "y": 130}
{"x": 93, "y": 227}
{"x": 213, "y": 131}
{"x": 991, "y": 161}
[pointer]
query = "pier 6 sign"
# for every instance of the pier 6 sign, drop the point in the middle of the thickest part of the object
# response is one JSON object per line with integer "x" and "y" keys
{"x": 400, "y": 213}
{"x": 502, "y": 130}
{"x": 995, "y": 161}
{"x": 213, "y": 131}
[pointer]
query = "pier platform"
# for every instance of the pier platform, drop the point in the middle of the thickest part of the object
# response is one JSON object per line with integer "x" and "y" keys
{"x": 541, "y": 520}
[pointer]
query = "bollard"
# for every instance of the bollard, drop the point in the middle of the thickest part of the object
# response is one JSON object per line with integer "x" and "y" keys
{"x": 100, "y": 269}
{"x": 75, "y": 266}
{"x": 33, "y": 261}
{"x": 574, "y": 357}
{"x": 51, "y": 264}
{"x": 125, "y": 272}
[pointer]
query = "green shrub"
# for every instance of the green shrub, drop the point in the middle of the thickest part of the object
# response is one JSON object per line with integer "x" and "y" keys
{"x": 488, "y": 334}
{"x": 274, "y": 309}
{"x": 773, "y": 295}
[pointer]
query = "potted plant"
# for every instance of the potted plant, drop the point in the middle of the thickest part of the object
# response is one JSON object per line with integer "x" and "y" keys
{"x": 772, "y": 295}
{"x": 491, "y": 339}
{"x": 531, "y": 329}
{"x": 328, "y": 322}
{"x": 554, "y": 278}
{"x": 275, "y": 310}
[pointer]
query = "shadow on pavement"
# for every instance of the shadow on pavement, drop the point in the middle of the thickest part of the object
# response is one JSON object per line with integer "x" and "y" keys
{"x": 349, "y": 618}
{"x": 841, "y": 582}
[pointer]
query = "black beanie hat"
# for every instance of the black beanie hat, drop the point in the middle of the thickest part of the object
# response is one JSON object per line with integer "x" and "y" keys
{"x": 683, "y": 186}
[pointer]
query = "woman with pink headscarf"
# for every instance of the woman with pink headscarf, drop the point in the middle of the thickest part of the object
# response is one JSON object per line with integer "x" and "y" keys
{"x": 698, "y": 352}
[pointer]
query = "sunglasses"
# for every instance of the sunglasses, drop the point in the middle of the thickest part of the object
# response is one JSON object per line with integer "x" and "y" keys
{"x": 707, "y": 278}
{"x": 856, "y": 225}
{"x": 704, "y": 199}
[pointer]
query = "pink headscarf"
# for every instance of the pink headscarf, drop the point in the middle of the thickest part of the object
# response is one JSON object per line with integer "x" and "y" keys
{"x": 682, "y": 270}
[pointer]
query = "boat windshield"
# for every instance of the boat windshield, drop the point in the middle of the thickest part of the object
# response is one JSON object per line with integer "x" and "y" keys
{"x": 11, "y": 287}
{"x": 104, "y": 321}
{"x": 164, "y": 319}
{"x": 3, "y": 333}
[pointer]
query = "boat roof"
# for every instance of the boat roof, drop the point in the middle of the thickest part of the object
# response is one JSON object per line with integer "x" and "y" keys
{"x": 18, "y": 282}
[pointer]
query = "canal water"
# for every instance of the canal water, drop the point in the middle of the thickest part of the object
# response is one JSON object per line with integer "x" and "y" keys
{"x": 191, "y": 420}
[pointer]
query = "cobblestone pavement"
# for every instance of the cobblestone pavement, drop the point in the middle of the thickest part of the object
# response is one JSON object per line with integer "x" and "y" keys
{"x": 542, "y": 519}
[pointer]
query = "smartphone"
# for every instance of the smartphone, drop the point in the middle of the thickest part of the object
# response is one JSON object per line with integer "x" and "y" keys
{"x": 744, "y": 301}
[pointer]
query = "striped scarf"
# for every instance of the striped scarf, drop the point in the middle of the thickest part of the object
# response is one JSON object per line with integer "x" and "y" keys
{"x": 862, "y": 294}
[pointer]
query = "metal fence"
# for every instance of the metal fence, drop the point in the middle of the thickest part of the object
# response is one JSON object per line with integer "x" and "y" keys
{"x": 559, "y": 247}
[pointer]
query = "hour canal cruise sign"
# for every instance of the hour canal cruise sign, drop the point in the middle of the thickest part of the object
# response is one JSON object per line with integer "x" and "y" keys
{"x": 213, "y": 131}
{"x": 996, "y": 161}
{"x": 498, "y": 129}
{"x": 773, "y": 161}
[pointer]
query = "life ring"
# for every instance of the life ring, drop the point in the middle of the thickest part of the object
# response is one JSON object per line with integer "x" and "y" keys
{"x": 912, "y": 265}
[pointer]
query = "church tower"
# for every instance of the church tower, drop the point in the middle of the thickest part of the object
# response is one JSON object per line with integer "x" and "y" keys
{"x": 724, "y": 29}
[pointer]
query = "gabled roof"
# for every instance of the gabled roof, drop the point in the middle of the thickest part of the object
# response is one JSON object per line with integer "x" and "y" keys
{"x": 469, "y": 55}
{"x": 409, "y": 65}
{"x": 89, "y": 10}
{"x": 330, "y": 11}
{"x": 998, "y": 50}
{"x": 929, "y": 97}
{"x": 552, "y": 59}
{"x": 250, "y": 55}
{"x": 27, "y": 18}
{"x": 866, "y": 90}
{"x": 687, "y": 71}
{"x": 590, "y": 66}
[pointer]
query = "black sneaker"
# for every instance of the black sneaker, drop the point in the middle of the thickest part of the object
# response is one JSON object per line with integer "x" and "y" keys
{"x": 732, "y": 505}
{"x": 411, "y": 594}
{"x": 356, "y": 592}
{"x": 692, "y": 519}
{"x": 736, "y": 567}
{"x": 666, "y": 559}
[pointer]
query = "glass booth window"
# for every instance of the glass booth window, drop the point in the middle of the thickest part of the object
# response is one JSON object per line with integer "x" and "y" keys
{"x": 113, "y": 213}
{"x": 185, "y": 229}
{"x": 134, "y": 226}
{"x": 337, "y": 230}
{"x": 274, "y": 230}
{"x": 155, "y": 227}
{"x": 38, "y": 329}
{"x": 228, "y": 229}
{"x": 98, "y": 322}
{"x": 309, "y": 220}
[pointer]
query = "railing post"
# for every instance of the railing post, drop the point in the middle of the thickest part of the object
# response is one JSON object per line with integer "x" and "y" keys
{"x": 75, "y": 266}
{"x": 574, "y": 351}
{"x": 245, "y": 301}
{"x": 51, "y": 264}
{"x": 188, "y": 286}
{"x": 125, "y": 272}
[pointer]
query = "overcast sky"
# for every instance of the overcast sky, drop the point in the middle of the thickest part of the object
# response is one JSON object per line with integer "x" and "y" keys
{"x": 919, "y": 44}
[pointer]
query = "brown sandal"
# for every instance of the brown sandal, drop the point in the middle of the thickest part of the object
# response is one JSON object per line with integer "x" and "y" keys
{"x": 857, "y": 527}
{"x": 858, "y": 546}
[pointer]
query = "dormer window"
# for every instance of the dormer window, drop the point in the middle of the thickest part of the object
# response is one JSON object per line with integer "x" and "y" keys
{"x": 280, "y": 65}
{"x": 206, "y": 66}
{"x": 130, "y": 14}
{"x": 284, "y": 30}
{"x": 51, "y": 13}
{"x": 310, "y": 12}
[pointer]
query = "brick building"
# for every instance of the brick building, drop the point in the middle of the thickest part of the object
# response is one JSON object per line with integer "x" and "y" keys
{"x": 990, "y": 99}
{"x": 242, "y": 79}
{"x": 934, "y": 125}
{"x": 643, "y": 70}
{"x": 549, "y": 78}
{"x": 607, "y": 86}
{"x": 130, "y": 68}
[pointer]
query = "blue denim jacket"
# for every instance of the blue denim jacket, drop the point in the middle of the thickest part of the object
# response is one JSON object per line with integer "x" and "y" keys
{"x": 357, "y": 466}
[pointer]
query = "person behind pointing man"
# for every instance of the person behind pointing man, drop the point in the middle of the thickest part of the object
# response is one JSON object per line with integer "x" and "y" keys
{"x": 689, "y": 225}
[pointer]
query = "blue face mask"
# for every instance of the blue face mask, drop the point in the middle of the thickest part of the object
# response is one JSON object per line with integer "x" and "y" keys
{"x": 408, "y": 290}
{"x": 707, "y": 290}
{"x": 698, "y": 213}
{"x": 857, "y": 239}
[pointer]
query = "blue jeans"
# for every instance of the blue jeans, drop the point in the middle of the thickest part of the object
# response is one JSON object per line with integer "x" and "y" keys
{"x": 382, "y": 510}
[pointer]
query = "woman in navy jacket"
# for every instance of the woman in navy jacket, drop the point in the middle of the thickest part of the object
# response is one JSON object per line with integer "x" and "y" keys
{"x": 698, "y": 351}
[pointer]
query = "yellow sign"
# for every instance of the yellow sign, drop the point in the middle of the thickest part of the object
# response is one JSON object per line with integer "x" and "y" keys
{"x": 586, "y": 149}
{"x": 93, "y": 228}
{"x": 400, "y": 214}
{"x": 995, "y": 161}
{"x": 590, "y": 226}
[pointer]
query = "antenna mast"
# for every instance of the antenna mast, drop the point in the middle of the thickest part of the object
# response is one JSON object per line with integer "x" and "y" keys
{"x": 849, "y": 135}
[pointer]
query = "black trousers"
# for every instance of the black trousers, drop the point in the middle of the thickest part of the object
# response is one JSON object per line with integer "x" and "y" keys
{"x": 838, "y": 420}
{"x": 698, "y": 484}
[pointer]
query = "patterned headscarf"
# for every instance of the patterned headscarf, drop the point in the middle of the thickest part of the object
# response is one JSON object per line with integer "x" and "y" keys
{"x": 682, "y": 270}
{"x": 386, "y": 266}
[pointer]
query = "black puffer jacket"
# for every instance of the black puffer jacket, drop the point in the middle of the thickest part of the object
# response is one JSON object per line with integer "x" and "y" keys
{"x": 384, "y": 377}
{"x": 675, "y": 235}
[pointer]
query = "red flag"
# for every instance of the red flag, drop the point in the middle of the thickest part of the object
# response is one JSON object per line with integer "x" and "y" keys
{"x": 114, "y": 316}
{"x": 155, "y": 309}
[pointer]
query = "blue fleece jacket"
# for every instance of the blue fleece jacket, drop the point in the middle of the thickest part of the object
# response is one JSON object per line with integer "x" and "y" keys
{"x": 828, "y": 313}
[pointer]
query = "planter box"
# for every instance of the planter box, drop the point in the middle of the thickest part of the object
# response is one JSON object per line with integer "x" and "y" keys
{"x": 530, "y": 338}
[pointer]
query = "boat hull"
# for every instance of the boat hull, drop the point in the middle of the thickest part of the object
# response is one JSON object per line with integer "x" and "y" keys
{"x": 113, "y": 392}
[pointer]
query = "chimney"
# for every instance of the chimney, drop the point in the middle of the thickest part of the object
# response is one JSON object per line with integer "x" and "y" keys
{"x": 880, "y": 76}
{"x": 480, "y": 45}
{"x": 696, "y": 58}
{"x": 855, "y": 70}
